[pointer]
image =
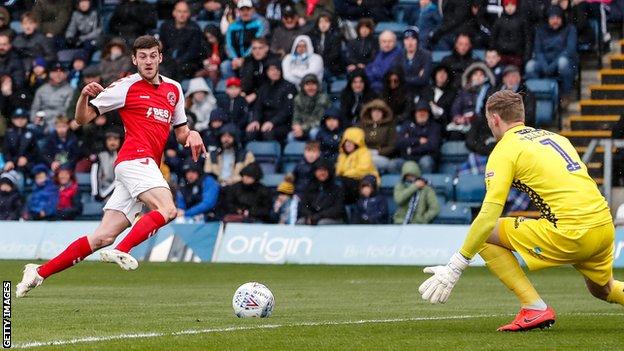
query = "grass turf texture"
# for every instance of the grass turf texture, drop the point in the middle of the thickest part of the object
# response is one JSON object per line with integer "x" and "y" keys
{"x": 96, "y": 299}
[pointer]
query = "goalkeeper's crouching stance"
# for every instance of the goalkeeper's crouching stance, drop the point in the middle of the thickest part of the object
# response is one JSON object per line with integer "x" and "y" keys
{"x": 575, "y": 226}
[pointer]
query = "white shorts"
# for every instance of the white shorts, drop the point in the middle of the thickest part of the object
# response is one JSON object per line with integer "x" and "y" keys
{"x": 132, "y": 178}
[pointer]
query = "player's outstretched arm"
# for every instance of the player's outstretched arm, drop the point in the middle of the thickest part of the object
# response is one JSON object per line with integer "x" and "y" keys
{"x": 84, "y": 112}
{"x": 191, "y": 139}
{"x": 438, "y": 287}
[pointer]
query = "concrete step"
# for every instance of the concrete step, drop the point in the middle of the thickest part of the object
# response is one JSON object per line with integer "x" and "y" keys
{"x": 593, "y": 122}
{"x": 607, "y": 92}
{"x": 611, "y": 76}
{"x": 583, "y": 137}
{"x": 602, "y": 107}
{"x": 616, "y": 61}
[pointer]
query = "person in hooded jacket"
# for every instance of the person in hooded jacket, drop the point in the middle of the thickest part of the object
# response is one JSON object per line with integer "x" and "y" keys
{"x": 69, "y": 205}
{"x": 248, "y": 201}
{"x": 419, "y": 138}
{"x": 85, "y": 27}
{"x": 440, "y": 95}
{"x": 330, "y": 134}
{"x": 415, "y": 63}
{"x": 309, "y": 106}
{"x": 397, "y": 94}
{"x": 327, "y": 42}
{"x": 200, "y": 101}
{"x": 11, "y": 201}
{"x": 227, "y": 161}
{"x": 371, "y": 207}
{"x": 363, "y": 49}
{"x": 416, "y": 201}
{"x": 470, "y": 101}
{"x": 302, "y": 61}
{"x": 197, "y": 194}
{"x": 273, "y": 109}
{"x": 354, "y": 162}
{"x": 323, "y": 200}
{"x": 355, "y": 94}
{"x": 378, "y": 124}
{"x": 41, "y": 204}
{"x": 116, "y": 62}
{"x": 210, "y": 135}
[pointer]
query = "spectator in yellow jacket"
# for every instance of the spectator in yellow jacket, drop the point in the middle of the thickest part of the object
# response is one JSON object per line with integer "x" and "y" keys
{"x": 354, "y": 162}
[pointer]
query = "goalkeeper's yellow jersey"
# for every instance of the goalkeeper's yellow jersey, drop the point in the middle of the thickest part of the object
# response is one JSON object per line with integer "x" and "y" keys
{"x": 546, "y": 166}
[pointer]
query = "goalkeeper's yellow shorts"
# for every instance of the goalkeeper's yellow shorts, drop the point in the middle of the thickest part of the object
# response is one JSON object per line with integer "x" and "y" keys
{"x": 541, "y": 245}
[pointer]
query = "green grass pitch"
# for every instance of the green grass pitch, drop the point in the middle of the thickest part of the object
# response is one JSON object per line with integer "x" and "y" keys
{"x": 317, "y": 308}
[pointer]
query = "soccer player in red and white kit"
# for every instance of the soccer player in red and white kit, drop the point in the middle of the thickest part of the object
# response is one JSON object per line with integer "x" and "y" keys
{"x": 148, "y": 104}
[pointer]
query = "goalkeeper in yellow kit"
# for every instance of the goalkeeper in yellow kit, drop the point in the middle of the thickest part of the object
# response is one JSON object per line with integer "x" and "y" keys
{"x": 575, "y": 226}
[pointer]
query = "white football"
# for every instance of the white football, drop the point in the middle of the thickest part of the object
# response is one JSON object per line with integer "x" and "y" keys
{"x": 253, "y": 300}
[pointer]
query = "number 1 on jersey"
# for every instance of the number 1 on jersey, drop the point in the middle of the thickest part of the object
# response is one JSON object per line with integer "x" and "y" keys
{"x": 571, "y": 164}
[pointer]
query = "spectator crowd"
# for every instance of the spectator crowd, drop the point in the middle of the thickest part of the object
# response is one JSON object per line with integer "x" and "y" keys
{"x": 365, "y": 102}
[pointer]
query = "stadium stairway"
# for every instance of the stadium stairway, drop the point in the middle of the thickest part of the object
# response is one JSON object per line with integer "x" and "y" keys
{"x": 599, "y": 111}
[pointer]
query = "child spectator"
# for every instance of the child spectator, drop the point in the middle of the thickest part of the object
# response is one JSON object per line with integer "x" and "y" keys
{"x": 303, "y": 172}
{"x": 357, "y": 93}
{"x": 115, "y": 62}
{"x": 440, "y": 95}
{"x": 197, "y": 195}
{"x": 42, "y": 202}
{"x": 327, "y": 42}
{"x": 284, "y": 209}
{"x": 493, "y": 62}
{"x": 85, "y": 28}
{"x": 200, "y": 101}
{"x": 31, "y": 43}
{"x": 37, "y": 77}
{"x": 11, "y": 201}
{"x": 61, "y": 146}
{"x": 371, "y": 208}
{"x": 323, "y": 200}
{"x": 20, "y": 148}
{"x": 273, "y": 109}
{"x": 79, "y": 62}
{"x": 416, "y": 201}
{"x": 330, "y": 134}
{"x": 69, "y": 205}
{"x": 210, "y": 136}
{"x": 419, "y": 139}
{"x": 309, "y": 106}
{"x": 354, "y": 162}
{"x": 377, "y": 121}
{"x": 236, "y": 106}
{"x": 248, "y": 201}
{"x": 429, "y": 20}
{"x": 227, "y": 161}
{"x": 361, "y": 50}
{"x": 103, "y": 172}
{"x": 302, "y": 61}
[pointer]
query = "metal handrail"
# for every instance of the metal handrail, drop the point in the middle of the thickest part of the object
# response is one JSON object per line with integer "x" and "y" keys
{"x": 607, "y": 164}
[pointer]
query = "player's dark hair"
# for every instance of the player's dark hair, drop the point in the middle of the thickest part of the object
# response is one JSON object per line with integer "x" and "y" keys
{"x": 507, "y": 104}
{"x": 146, "y": 42}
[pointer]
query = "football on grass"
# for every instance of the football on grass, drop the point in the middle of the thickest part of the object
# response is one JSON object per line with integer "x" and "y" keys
{"x": 253, "y": 300}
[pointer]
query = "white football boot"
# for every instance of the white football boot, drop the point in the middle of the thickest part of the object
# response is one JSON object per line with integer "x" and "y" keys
{"x": 30, "y": 280}
{"x": 124, "y": 260}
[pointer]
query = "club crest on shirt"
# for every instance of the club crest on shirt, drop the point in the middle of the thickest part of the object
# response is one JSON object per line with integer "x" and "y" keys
{"x": 171, "y": 98}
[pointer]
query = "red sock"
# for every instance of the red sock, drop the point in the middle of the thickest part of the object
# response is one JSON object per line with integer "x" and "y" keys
{"x": 74, "y": 253}
{"x": 143, "y": 229}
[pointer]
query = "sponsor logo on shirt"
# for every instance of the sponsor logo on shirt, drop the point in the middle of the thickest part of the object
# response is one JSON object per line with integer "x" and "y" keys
{"x": 159, "y": 114}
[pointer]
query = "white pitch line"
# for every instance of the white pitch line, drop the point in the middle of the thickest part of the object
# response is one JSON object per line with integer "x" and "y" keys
{"x": 267, "y": 326}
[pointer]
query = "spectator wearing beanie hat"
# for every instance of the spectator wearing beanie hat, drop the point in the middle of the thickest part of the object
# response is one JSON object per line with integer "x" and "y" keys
{"x": 42, "y": 202}
{"x": 235, "y": 106}
{"x": 248, "y": 201}
{"x": 418, "y": 139}
{"x": 11, "y": 201}
{"x": 330, "y": 133}
{"x": 284, "y": 210}
{"x": 210, "y": 135}
{"x": 273, "y": 109}
{"x": 197, "y": 195}
{"x": 415, "y": 62}
{"x": 371, "y": 207}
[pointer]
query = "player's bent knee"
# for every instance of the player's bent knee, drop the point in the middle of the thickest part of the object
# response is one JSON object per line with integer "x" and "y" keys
{"x": 599, "y": 292}
{"x": 169, "y": 212}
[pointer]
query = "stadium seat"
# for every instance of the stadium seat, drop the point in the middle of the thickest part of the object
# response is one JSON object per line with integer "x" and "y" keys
{"x": 470, "y": 188}
{"x": 388, "y": 181}
{"x": 267, "y": 154}
{"x": 91, "y": 210}
{"x": 547, "y": 100}
{"x": 293, "y": 153}
{"x": 453, "y": 213}
{"x": 437, "y": 56}
{"x": 406, "y": 12}
{"x": 454, "y": 151}
{"x": 337, "y": 86}
{"x": 220, "y": 88}
{"x": 185, "y": 84}
{"x": 395, "y": 27}
{"x": 67, "y": 56}
{"x": 392, "y": 207}
{"x": 84, "y": 181}
{"x": 441, "y": 183}
{"x": 16, "y": 26}
{"x": 449, "y": 167}
{"x": 97, "y": 57}
{"x": 272, "y": 180}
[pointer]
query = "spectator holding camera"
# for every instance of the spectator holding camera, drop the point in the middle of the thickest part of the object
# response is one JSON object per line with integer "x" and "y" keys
{"x": 416, "y": 201}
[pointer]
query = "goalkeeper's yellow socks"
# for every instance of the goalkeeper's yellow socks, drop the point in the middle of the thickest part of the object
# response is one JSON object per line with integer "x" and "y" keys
{"x": 504, "y": 265}
{"x": 617, "y": 293}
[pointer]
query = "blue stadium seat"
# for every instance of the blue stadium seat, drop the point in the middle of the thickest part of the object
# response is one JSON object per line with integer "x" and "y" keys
{"x": 449, "y": 167}
{"x": 441, "y": 199}
{"x": 272, "y": 180}
{"x": 395, "y": 27}
{"x": 267, "y": 154}
{"x": 185, "y": 84}
{"x": 388, "y": 181}
{"x": 220, "y": 88}
{"x": 453, "y": 213}
{"x": 470, "y": 188}
{"x": 437, "y": 56}
{"x": 337, "y": 86}
{"x": 392, "y": 207}
{"x": 16, "y": 26}
{"x": 547, "y": 99}
{"x": 293, "y": 153}
{"x": 406, "y": 12}
{"x": 478, "y": 54}
{"x": 84, "y": 181}
{"x": 97, "y": 57}
{"x": 66, "y": 56}
{"x": 92, "y": 210}
{"x": 441, "y": 183}
{"x": 454, "y": 151}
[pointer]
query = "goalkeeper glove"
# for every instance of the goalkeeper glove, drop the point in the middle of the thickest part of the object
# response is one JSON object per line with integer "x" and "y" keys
{"x": 438, "y": 287}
